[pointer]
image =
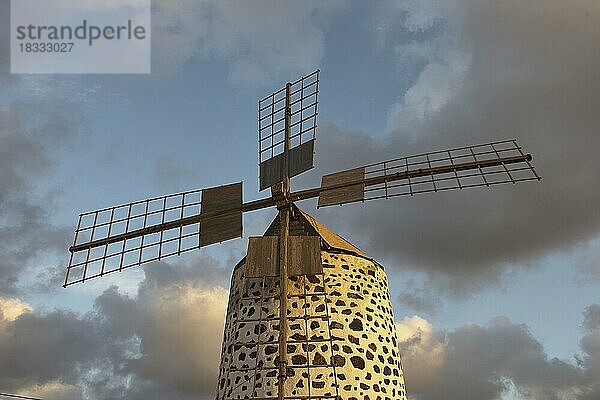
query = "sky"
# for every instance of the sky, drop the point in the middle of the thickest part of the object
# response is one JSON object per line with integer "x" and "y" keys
{"x": 495, "y": 292}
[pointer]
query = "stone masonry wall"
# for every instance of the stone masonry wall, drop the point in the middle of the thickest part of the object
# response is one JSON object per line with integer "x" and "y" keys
{"x": 342, "y": 340}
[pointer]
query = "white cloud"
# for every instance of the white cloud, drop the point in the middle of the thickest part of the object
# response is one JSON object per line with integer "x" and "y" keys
{"x": 446, "y": 63}
{"x": 12, "y": 308}
{"x": 53, "y": 390}
{"x": 435, "y": 87}
{"x": 258, "y": 40}
{"x": 490, "y": 361}
{"x": 423, "y": 352}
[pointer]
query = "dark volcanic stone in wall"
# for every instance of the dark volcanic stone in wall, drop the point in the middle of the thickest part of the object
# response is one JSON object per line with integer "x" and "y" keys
{"x": 357, "y": 362}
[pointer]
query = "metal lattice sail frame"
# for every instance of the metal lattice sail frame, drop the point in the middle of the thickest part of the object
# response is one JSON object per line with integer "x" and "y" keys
{"x": 120, "y": 237}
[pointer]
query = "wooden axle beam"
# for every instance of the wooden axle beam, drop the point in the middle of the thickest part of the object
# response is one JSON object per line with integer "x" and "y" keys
{"x": 300, "y": 195}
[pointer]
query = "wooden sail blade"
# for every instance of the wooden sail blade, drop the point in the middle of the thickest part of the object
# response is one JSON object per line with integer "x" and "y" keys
{"x": 466, "y": 167}
{"x": 121, "y": 237}
{"x": 301, "y": 160}
{"x": 347, "y": 194}
{"x": 227, "y": 226}
{"x": 302, "y": 130}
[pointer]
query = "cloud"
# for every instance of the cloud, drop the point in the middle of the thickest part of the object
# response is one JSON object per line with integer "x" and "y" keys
{"x": 183, "y": 354}
{"x": 591, "y": 320}
{"x": 257, "y": 40}
{"x": 588, "y": 259}
{"x": 22, "y": 155}
{"x": 27, "y": 149}
{"x": 54, "y": 390}
{"x": 172, "y": 332}
{"x": 11, "y": 309}
{"x": 590, "y": 344}
{"x": 171, "y": 174}
{"x": 420, "y": 299}
{"x": 423, "y": 351}
{"x": 34, "y": 127}
{"x": 485, "y": 362}
{"x": 163, "y": 343}
{"x": 492, "y": 70}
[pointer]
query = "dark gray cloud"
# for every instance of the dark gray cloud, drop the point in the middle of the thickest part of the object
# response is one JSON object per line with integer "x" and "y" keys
{"x": 484, "y": 362}
{"x": 22, "y": 155}
{"x": 163, "y": 343}
{"x": 493, "y": 70}
{"x": 37, "y": 118}
{"x": 173, "y": 327}
{"x": 592, "y": 317}
{"x": 47, "y": 347}
{"x": 419, "y": 299}
{"x": 590, "y": 359}
{"x": 26, "y": 156}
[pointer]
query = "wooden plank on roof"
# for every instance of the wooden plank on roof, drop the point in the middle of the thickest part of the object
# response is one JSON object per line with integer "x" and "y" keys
{"x": 304, "y": 256}
{"x": 261, "y": 259}
{"x": 331, "y": 239}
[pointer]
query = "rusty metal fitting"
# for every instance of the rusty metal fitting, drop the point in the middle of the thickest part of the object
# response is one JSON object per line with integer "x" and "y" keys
{"x": 280, "y": 195}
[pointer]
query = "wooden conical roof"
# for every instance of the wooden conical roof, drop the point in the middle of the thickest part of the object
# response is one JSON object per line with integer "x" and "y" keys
{"x": 302, "y": 224}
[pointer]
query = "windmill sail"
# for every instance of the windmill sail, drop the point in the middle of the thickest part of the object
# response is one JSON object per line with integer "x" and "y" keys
{"x": 302, "y": 130}
{"x": 465, "y": 167}
{"x": 120, "y": 237}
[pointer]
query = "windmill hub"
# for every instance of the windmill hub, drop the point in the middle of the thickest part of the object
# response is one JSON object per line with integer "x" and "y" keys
{"x": 280, "y": 192}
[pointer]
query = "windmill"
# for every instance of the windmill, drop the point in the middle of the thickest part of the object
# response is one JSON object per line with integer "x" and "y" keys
{"x": 304, "y": 303}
